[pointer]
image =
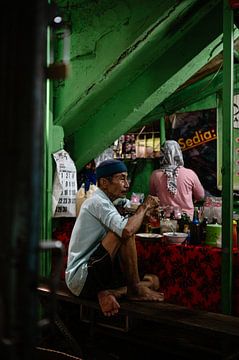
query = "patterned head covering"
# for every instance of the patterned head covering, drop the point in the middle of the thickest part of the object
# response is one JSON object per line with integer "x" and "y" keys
{"x": 171, "y": 158}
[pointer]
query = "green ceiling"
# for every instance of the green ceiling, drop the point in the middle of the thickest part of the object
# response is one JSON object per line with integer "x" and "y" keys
{"x": 128, "y": 59}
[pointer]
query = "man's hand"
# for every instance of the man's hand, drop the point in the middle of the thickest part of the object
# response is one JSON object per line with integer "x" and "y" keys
{"x": 151, "y": 202}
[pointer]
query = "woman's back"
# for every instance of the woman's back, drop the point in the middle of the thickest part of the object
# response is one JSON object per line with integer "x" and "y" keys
{"x": 189, "y": 189}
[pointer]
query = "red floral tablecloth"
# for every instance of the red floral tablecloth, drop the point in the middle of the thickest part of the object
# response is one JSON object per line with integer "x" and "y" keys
{"x": 62, "y": 231}
{"x": 189, "y": 275}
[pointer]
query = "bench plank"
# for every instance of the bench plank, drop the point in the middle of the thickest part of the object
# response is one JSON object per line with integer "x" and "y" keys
{"x": 164, "y": 313}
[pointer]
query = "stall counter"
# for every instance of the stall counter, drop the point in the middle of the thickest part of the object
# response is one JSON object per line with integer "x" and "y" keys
{"x": 189, "y": 275}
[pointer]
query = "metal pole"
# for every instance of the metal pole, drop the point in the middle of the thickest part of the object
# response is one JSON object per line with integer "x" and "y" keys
{"x": 22, "y": 87}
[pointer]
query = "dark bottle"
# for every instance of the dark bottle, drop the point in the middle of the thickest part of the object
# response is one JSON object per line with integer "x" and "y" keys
{"x": 203, "y": 227}
{"x": 195, "y": 233}
{"x": 183, "y": 223}
{"x": 172, "y": 217}
{"x": 214, "y": 220}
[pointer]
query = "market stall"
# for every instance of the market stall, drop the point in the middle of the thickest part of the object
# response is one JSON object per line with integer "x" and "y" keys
{"x": 189, "y": 275}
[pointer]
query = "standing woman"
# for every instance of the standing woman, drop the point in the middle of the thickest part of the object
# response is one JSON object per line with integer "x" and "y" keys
{"x": 174, "y": 184}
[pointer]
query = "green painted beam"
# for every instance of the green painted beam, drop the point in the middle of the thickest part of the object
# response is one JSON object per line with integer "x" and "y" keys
{"x": 150, "y": 88}
{"x": 200, "y": 95}
{"x": 227, "y": 159}
{"x": 197, "y": 96}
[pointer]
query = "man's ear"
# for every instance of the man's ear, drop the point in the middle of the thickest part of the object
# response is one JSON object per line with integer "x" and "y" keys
{"x": 103, "y": 182}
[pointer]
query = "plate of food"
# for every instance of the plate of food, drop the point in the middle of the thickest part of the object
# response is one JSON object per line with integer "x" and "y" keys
{"x": 149, "y": 236}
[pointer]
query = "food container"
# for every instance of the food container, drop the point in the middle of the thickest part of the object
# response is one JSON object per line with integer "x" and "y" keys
{"x": 175, "y": 237}
{"x": 168, "y": 225}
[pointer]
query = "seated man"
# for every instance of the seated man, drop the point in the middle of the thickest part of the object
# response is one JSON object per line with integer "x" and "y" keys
{"x": 102, "y": 258}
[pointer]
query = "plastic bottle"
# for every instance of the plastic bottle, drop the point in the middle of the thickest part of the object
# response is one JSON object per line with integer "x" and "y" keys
{"x": 234, "y": 237}
{"x": 80, "y": 198}
{"x": 195, "y": 233}
{"x": 237, "y": 232}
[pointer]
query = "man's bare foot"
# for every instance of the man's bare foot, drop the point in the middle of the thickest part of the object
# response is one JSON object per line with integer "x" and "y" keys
{"x": 151, "y": 281}
{"x": 143, "y": 293}
{"x": 108, "y": 303}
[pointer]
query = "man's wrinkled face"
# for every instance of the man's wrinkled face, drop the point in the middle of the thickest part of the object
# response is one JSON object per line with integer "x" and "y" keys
{"x": 116, "y": 186}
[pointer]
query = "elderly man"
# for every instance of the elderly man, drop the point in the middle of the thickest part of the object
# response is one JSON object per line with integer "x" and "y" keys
{"x": 102, "y": 257}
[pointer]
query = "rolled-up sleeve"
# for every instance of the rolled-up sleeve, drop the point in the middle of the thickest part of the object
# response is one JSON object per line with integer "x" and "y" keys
{"x": 109, "y": 216}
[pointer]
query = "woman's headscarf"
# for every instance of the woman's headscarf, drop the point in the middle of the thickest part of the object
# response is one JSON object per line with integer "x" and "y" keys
{"x": 171, "y": 158}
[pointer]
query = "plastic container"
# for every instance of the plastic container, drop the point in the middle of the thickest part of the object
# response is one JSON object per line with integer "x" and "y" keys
{"x": 213, "y": 235}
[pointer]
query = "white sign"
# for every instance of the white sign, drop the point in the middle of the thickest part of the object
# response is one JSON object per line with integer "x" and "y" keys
{"x": 64, "y": 186}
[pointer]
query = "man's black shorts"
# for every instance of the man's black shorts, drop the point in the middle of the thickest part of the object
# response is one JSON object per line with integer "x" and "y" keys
{"x": 103, "y": 274}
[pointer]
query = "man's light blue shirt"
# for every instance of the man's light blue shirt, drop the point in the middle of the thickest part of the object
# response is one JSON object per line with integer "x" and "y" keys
{"x": 97, "y": 216}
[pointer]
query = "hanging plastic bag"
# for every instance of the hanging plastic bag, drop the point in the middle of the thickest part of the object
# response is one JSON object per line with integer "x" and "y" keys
{"x": 64, "y": 186}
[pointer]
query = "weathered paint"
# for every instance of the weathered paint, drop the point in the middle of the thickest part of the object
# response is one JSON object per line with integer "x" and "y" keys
{"x": 126, "y": 82}
{"x": 103, "y": 34}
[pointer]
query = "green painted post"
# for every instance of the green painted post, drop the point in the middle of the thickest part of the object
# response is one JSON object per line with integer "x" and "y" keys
{"x": 46, "y": 233}
{"x": 227, "y": 159}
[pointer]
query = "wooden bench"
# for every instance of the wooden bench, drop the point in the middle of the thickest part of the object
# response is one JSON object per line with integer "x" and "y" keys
{"x": 175, "y": 328}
